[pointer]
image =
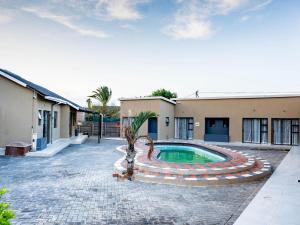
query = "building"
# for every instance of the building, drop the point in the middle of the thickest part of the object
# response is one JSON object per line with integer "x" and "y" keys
{"x": 29, "y": 112}
{"x": 260, "y": 119}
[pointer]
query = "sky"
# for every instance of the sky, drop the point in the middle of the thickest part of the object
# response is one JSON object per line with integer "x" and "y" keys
{"x": 136, "y": 46}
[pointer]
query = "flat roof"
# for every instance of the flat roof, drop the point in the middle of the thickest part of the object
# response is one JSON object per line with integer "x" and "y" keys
{"x": 250, "y": 96}
{"x": 149, "y": 98}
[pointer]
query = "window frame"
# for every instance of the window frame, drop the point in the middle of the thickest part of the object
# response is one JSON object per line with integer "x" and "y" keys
{"x": 189, "y": 127}
{"x": 292, "y": 132}
{"x": 55, "y": 117}
{"x": 40, "y": 117}
{"x": 261, "y": 130}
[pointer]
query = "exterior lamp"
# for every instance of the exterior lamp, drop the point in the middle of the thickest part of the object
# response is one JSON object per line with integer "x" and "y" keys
{"x": 167, "y": 121}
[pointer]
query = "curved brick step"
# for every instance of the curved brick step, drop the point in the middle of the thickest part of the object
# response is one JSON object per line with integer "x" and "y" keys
{"x": 240, "y": 167}
{"x": 197, "y": 169}
{"x": 237, "y": 162}
{"x": 256, "y": 173}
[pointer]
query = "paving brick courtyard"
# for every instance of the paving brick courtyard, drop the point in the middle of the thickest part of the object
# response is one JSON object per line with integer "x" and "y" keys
{"x": 76, "y": 187}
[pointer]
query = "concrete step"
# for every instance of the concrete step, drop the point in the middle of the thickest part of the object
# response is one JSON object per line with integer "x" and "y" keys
{"x": 259, "y": 171}
{"x": 239, "y": 167}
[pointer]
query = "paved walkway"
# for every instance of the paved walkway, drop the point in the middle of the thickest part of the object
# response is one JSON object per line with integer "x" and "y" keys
{"x": 58, "y": 146}
{"x": 278, "y": 202}
{"x": 76, "y": 187}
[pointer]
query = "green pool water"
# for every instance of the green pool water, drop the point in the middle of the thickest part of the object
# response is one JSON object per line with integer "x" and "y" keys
{"x": 187, "y": 154}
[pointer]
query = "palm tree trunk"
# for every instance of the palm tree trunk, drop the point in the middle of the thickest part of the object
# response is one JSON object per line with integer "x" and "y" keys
{"x": 130, "y": 160}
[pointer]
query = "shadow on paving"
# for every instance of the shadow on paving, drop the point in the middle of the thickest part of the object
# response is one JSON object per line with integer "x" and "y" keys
{"x": 76, "y": 187}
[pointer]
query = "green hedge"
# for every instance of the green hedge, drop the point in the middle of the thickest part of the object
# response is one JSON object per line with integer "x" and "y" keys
{"x": 6, "y": 213}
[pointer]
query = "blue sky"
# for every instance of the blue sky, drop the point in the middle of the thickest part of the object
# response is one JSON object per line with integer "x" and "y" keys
{"x": 136, "y": 46}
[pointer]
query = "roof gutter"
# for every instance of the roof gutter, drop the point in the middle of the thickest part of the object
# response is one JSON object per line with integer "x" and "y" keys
{"x": 12, "y": 79}
{"x": 60, "y": 101}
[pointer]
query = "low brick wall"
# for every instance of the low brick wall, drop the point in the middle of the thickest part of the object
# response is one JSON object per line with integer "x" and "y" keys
{"x": 17, "y": 150}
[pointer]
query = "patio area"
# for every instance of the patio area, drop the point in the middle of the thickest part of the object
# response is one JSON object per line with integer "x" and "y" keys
{"x": 76, "y": 187}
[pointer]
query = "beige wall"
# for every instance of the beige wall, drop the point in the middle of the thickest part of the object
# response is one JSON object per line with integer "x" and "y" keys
{"x": 16, "y": 105}
{"x": 44, "y": 105}
{"x": 160, "y": 107}
{"x": 74, "y": 120}
{"x": 166, "y": 110}
{"x": 236, "y": 110}
{"x": 199, "y": 109}
{"x": 64, "y": 121}
{"x": 19, "y": 114}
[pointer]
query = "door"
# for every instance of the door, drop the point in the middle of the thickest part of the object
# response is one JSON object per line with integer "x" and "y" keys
{"x": 285, "y": 131}
{"x": 184, "y": 128}
{"x": 217, "y": 129}
{"x": 152, "y": 128}
{"x": 71, "y": 124}
{"x": 46, "y": 125}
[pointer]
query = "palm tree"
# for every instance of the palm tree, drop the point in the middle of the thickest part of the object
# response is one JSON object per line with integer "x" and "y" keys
{"x": 103, "y": 95}
{"x": 131, "y": 134}
{"x": 89, "y": 104}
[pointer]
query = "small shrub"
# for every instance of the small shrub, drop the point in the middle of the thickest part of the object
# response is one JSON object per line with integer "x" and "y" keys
{"x": 5, "y": 212}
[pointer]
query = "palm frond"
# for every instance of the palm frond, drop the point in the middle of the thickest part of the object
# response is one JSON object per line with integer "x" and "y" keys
{"x": 140, "y": 119}
{"x": 103, "y": 95}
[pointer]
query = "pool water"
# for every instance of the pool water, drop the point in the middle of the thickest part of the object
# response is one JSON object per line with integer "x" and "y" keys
{"x": 187, "y": 154}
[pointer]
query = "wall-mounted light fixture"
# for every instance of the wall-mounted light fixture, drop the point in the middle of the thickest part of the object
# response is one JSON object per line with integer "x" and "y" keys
{"x": 167, "y": 121}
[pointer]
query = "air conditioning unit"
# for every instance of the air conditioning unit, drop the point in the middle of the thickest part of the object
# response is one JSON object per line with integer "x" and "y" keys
{"x": 34, "y": 141}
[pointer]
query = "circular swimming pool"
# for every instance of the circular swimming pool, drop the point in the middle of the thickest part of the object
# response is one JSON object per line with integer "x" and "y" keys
{"x": 175, "y": 153}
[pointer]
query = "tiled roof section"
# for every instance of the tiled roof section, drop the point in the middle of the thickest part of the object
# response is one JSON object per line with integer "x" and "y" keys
{"x": 41, "y": 90}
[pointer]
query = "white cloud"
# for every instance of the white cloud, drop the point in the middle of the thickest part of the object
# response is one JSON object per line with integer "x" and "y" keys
{"x": 245, "y": 18}
{"x": 65, "y": 21}
{"x": 104, "y": 9}
{"x": 189, "y": 27}
{"x": 193, "y": 19}
{"x": 261, "y": 5}
{"x": 119, "y": 9}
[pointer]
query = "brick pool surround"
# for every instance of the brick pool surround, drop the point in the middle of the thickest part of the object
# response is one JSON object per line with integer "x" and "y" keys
{"x": 239, "y": 167}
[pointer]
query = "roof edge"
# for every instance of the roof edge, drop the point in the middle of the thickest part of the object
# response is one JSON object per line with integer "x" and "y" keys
{"x": 148, "y": 98}
{"x": 239, "y": 97}
{"x": 7, "y": 76}
{"x": 61, "y": 101}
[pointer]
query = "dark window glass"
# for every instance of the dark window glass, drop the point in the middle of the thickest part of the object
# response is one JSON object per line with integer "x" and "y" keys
{"x": 55, "y": 119}
{"x": 212, "y": 123}
{"x": 40, "y": 117}
{"x": 255, "y": 131}
{"x": 225, "y": 123}
{"x": 285, "y": 131}
{"x": 184, "y": 128}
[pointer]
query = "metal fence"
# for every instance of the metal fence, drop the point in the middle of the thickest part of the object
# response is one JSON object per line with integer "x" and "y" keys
{"x": 109, "y": 129}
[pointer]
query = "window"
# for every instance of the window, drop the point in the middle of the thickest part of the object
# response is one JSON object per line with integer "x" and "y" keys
{"x": 285, "y": 131}
{"x": 127, "y": 121}
{"x": 55, "y": 119}
{"x": 184, "y": 127}
{"x": 212, "y": 123}
{"x": 225, "y": 123}
{"x": 40, "y": 117}
{"x": 255, "y": 131}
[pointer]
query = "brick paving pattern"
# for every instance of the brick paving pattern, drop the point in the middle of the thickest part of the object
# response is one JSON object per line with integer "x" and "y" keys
{"x": 76, "y": 187}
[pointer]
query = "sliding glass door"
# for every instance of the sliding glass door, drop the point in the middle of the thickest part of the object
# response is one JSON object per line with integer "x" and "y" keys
{"x": 184, "y": 127}
{"x": 255, "y": 131}
{"x": 285, "y": 131}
